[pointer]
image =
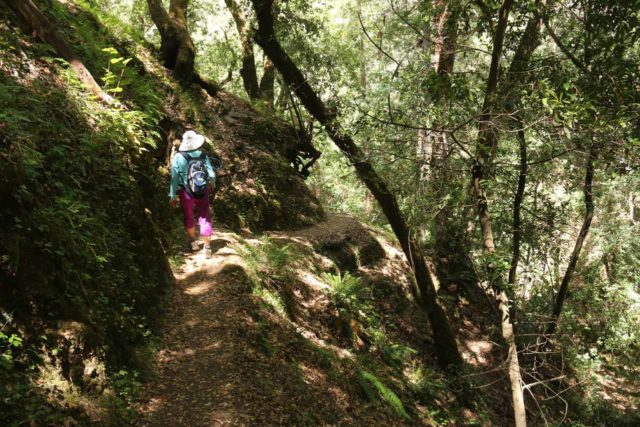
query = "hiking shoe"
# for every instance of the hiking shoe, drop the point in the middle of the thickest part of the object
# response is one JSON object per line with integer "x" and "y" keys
{"x": 207, "y": 251}
{"x": 194, "y": 245}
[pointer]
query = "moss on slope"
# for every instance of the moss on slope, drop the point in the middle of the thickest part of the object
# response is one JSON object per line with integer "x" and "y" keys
{"x": 84, "y": 210}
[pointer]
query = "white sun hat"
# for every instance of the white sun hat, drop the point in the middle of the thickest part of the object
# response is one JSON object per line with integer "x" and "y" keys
{"x": 191, "y": 141}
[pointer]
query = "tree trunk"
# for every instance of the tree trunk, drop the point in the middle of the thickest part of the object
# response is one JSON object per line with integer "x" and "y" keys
{"x": 446, "y": 38}
{"x": 364, "y": 89}
{"x": 528, "y": 43}
{"x": 45, "y": 31}
{"x": 445, "y": 344}
{"x": 424, "y": 152}
{"x": 487, "y": 140}
{"x": 517, "y": 205}
{"x": 267, "y": 82}
{"x": 450, "y": 242}
{"x": 584, "y": 230}
{"x": 184, "y": 68}
{"x": 248, "y": 70}
{"x": 168, "y": 37}
{"x": 176, "y": 47}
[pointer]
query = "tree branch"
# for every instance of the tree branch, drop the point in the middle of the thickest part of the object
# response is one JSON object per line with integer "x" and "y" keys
{"x": 579, "y": 65}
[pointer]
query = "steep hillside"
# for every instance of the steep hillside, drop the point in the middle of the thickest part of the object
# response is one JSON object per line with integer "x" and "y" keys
{"x": 317, "y": 322}
{"x": 86, "y": 227}
{"x": 299, "y": 318}
{"x": 310, "y": 327}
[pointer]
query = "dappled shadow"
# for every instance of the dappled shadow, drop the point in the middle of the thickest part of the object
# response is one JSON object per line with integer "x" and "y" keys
{"x": 346, "y": 241}
{"x": 235, "y": 353}
{"x": 225, "y": 359}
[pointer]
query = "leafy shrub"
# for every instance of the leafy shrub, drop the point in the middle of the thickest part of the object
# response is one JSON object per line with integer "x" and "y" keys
{"x": 8, "y": 344}
{"x": 426, "y": 382}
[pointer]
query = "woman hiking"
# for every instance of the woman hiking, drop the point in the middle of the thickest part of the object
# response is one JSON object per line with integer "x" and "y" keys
{"x": 192, "y": 176}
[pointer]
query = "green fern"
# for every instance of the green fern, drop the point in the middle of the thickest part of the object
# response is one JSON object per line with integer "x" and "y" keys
{"x": 365, "y": 378}
{"x": 346, "y": 290}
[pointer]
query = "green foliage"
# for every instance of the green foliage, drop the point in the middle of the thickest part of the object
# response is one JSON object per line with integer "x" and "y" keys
{"x": 347, "y": 290}
{"x": 272, "y": 271}
{"x": 279, "y": 258}
{"x": 73, "y": 168}
{"x": 365, "y": 379}
{"x": 497, "y": 264}
{"x": 271, "y": 299}
{"x": 20, "y": 375}
{"x": 395, "y": 355}
{"x": 271, "y": 260}
{"x": 74, "y": 207}
{"x": 426, "y": 382}
{"x": 8, "y": 344}
{"x": 127, "y": 383}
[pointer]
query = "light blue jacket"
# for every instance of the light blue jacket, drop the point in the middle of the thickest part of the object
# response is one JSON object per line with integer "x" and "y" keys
{"x": 179, "y": 171}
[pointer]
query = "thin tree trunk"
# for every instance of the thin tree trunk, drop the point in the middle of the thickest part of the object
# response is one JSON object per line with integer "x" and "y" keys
{"x": 450, "y": 241}
{"x": 364, "y": 89}
{"x": 46, "y": 31}
{"x": 517, "y": 205}
{"x": 528, "y": 43}
{"x": 631, "y": 202}
{"x": 424, "y": 152}
{"x": 575, "y": 255}
{"x": 445, "y": 344}
{"x": 487, "y": 141}
{"x": 248, "y": 70}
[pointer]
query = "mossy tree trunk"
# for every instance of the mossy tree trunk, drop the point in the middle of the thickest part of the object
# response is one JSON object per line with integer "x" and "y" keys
{"x": 177, "y": 48}
{"x": 248, "y": 70}
{"x": 256, "y": 89}
{"x": 445, "y": 345}
{"x": 267, "y": 82}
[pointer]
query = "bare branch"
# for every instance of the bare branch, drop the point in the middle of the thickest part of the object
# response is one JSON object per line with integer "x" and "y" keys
{"x": 374, "y": 43}
{"x": 579, "y": 65}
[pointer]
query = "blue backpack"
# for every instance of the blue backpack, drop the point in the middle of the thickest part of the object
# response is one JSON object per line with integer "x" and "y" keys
{"x": 197, "y": 175}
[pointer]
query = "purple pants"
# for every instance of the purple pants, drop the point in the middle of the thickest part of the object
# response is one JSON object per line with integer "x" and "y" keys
{"x": 202, "y": 209}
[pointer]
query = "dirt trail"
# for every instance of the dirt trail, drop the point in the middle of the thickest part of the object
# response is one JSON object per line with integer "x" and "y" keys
{"x": 223, "y": 361}
{"x": 226, "y": 359}
{"x": 193, "y": 381}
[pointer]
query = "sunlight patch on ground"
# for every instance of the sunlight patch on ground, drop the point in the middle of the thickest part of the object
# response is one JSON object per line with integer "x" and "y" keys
{"x": 167, "y": 356}
{"x": 312, "y": 280}
{"x": 199, "y": 289}
{"x": 311, "y": 336}
{"x": 478, "y": 351}
{"x": 312, "y": 375}
{"x": 617, "y": 390}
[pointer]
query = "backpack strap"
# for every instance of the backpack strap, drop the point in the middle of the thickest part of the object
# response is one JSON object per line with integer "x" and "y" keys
{"x": 188, "y": 157}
